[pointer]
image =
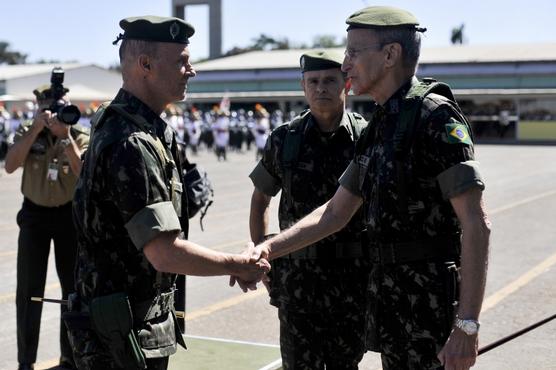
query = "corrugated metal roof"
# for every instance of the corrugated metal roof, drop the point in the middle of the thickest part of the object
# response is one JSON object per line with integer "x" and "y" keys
{"x": 8, "y": 72}
{"x": 544, "y": 52}
{"x": 280, "y": 59}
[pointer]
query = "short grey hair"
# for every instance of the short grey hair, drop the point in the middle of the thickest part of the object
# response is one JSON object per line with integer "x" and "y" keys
{"x": 131, "y": 49}
{"x": 408, "y": 38}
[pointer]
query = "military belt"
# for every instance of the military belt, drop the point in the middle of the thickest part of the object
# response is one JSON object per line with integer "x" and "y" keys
{"x": 353, "y": 249}
{"x": 153, "y": 308}
{"x": 142, "y": 311}
{"x": 437, "y": 248}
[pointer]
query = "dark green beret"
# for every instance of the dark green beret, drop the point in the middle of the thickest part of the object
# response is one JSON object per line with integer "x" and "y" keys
{"x": 153, "y": 28}
{"x": 383, "y": 16}
{"x": 320, "y": 59}
{"x": 44, "y": 92}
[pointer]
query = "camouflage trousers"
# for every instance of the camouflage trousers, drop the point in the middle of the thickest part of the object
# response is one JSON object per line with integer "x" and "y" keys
{"x": 90, "y": 354}
{"x": 323, "y": 309}
{"x": 322, "y": 340}
{"x": 412, "y": 315}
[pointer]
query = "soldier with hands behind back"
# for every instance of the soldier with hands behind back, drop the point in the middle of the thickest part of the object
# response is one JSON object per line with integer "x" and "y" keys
{"x": 321, "y": 291}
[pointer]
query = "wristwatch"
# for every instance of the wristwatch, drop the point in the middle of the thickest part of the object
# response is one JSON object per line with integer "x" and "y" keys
{"x": 65, "y": 142}
{"x": 469, "y": 327}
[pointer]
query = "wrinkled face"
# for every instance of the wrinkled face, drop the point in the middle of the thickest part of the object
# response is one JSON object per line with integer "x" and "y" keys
{"x": 171, "y": 71}
{"x": 363, "y": 61}
{"x": 324, "y": 89}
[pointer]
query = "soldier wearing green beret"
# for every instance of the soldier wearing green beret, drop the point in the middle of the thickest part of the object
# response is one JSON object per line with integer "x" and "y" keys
{"x": 131, "y": 217}
{"x": 49, "y": 152}
{"x": 415, "y": 175}
{"x": 321, "y": 291}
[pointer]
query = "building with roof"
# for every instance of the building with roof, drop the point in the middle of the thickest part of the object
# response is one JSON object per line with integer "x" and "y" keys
{"x": 88, "y": 83}
{"x": 506, "y": 90}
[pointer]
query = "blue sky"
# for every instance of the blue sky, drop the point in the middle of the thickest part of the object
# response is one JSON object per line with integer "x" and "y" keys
{"x": 84, "y": 30}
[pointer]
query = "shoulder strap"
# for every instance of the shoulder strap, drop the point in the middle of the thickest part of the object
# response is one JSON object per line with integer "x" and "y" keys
{"x": 358, "y": 124}
{"x": 162, "y": 153}
{"x": 410, "y": 116}
{"x": 290, "y": 152}
{"x": 141, "y": 123}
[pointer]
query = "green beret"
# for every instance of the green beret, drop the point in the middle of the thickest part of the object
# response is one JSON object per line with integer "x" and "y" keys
{"x": 44, "y": 92}
{"x": 153, "y": 28}
{"x": 320, "y": 59}
{"x": 383, "y": 16}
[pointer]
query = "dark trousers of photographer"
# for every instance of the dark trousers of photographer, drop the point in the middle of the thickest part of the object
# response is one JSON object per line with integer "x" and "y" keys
{"x": 38, "y": 227}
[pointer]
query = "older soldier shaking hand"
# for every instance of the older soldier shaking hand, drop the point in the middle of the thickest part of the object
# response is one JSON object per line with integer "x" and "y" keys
{"x": 129, "y": 212}
{"x": 415, "y": 174}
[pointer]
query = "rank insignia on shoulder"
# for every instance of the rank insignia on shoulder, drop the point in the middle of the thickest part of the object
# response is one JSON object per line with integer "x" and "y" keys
{"x": 457, "y": 133}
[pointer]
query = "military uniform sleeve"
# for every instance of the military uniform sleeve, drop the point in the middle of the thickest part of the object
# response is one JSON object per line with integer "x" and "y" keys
{"x": 448, "y": 153}
{"x": 266, "y": 176}
{"x": 350, "y": 178}
{"x": 138, "y": 188}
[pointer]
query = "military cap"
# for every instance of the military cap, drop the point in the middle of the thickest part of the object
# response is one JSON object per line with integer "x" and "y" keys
{"x": 320, "y": 59}
{"x": 44, "y": 92}
{"x": 154, "y": 28}
{"x": 383, "y": 16}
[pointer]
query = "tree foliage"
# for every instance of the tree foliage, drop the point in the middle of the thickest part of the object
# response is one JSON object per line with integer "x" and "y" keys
{"x": 8, "y": 56}
{"x": 457, "y": 35}
{"x": 266, "y": 42}
{"x": 327, "y": 41}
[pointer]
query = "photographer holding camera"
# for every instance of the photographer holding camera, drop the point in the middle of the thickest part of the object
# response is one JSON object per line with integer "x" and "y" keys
{"x": 49, "y": 149}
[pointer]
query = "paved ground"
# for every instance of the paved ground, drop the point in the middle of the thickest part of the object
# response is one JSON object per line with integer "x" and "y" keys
{"x": 521, "y": 197}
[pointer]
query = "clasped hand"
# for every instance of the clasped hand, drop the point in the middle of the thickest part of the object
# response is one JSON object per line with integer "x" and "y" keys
{"x": 257, "y": 266}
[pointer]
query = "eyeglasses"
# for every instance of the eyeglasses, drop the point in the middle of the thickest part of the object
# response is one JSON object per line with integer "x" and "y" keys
{"x": 352, "y": 52}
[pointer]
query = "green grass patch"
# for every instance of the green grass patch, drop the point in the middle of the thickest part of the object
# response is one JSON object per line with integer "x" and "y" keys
{"x": 537, "y": 130}
{"x": 210, "y": 354}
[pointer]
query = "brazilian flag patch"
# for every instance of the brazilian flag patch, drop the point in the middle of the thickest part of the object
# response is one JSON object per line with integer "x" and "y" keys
{"x": 457, "y": 133}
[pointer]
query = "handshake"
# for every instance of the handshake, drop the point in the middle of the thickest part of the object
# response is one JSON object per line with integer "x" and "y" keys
{"x": 252, "y": 267}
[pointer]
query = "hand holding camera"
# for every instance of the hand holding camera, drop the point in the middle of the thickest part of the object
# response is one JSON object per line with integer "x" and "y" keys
{"x": 66, "y": 113}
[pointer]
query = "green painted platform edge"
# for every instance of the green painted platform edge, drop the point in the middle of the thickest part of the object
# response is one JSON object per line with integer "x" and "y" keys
{"x": 211, "y": 354}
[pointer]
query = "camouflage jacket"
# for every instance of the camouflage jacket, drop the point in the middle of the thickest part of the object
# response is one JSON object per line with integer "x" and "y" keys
{"x": 123, "y": 200}
{"x": 321, "y": 161}
{"x": 439, "y": 165}
{"x": 325, "y": 282}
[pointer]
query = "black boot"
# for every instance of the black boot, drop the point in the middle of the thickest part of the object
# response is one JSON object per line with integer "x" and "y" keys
{"x": 26, "y": 367}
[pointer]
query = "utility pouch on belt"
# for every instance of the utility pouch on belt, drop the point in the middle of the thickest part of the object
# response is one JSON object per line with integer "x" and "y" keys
{"x": 112, "y": 321}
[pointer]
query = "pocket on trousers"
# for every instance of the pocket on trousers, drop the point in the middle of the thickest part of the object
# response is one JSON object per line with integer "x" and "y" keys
{"x": 158, "y": 338}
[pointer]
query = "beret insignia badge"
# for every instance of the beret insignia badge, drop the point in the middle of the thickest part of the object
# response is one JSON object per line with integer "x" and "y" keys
{"x": 174, "y": 30}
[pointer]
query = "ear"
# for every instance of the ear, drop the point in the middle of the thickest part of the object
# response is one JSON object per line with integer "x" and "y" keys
{"x": 302, "y": 83}
{"x": 393, "y": 54}
{"x": 144, "y": 63}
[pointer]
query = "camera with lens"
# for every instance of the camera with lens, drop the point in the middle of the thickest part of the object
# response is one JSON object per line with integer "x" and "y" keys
{"x": 66, "y": 113}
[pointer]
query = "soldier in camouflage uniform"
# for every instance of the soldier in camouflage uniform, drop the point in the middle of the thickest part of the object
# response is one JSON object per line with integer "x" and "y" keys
{"x": 129, "y": 212}
{"x": 421, "y": 192}
{"x": 321, "y": 291}
{"x": 49, "y": 152}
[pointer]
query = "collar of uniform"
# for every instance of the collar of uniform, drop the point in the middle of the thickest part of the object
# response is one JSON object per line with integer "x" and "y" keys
{"x": 135, "y": 106}
{"x": 344, "y": 125}
{"x": 393, "y": 104}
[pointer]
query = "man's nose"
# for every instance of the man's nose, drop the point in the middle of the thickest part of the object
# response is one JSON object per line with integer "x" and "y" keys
{"x": 346, "y": 65}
